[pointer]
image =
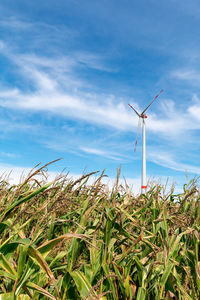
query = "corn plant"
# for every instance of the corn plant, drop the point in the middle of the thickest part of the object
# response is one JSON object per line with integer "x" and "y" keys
{"x": 71, "y": 240}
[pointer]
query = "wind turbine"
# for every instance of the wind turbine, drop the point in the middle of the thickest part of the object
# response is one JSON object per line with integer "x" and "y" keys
{"x": 142, "y": 118}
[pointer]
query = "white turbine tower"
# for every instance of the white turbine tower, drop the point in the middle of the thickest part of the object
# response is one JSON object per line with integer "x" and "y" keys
{"x": 142, "y": 118}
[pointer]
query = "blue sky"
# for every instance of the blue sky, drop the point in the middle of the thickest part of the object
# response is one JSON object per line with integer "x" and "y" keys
{"x": 70, "y": 68}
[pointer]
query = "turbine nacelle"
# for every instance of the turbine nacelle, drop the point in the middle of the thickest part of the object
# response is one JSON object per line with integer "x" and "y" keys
{"x": 143, "y": 116}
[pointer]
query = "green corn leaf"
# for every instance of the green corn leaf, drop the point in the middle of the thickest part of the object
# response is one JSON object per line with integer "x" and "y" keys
{"x": 24, "y": 199}
{"x": 165, "y": 223}
{"x": 165, "y": 276}
{"x": 11, "y": 296}
{"x": 82, "y": 283}
{"x": 40, "y": 290}
{"x": 127, "y": 286}
{"x": 111, "y": 280}
{"x": 94, "y": 255}
{"x": 4, "y": 264}
{"x": 23, "y": 249}
{"x": 9, "y": 248}
{"x": 75, "y": 249}
{"x": 108, "y": 231}
{"x": 176, "y": 244}
{"x": 58, "y": 257}
{"x": 111, "y": 244}
{"x": 128, "y": 216}
{"x": 180, "y": 285}
{"x": 34, "y": 253}
{"x": 120, "y": 280}
{"x": 141, "y": 294}
{"x": 95, "y": 260}
{"x": 4, "y": 274}
{"x": 30, "y": 270}
{"x": 3, "y": 226}
{"x": 48, "y": 246}
{"x": 15, "y": 231}
{"x": 7, "y": 296}
{"x": 139, "y": 269}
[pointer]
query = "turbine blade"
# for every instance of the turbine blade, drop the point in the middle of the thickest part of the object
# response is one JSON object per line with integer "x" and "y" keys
{"x": 138, "y": 129}
{"x": 152, "y": 101}
{"x": 134, "y": 110}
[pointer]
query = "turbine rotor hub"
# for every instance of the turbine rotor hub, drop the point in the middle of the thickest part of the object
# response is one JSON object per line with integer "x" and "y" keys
{"x": 144, "y": 116}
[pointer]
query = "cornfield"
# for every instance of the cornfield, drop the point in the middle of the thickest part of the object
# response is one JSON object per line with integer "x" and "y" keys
{"x": 71, "y": 240}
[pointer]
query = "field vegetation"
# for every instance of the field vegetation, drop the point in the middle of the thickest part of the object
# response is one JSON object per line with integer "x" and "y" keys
{"x": 71, "y": 240}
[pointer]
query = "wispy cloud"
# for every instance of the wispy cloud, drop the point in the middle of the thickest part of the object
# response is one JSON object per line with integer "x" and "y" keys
{"x": 53, "y": 92}
{"x": 9, "y": 155}
{"x": 192, "y": 76}
{"x": 194, "y": 109}
{"x": 15, "y": 24}
{"x": 170, "y": 161}
{"x": 105, "y": 154}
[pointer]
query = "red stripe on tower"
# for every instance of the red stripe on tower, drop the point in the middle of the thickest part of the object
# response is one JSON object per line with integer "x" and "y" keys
{"x": 143, "y": 186}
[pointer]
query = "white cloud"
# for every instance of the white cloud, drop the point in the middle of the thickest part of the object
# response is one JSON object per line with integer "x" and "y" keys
{"x": 103, "y": 153}
{"x": 59, "y": 92}
{"x": 167, "y": 107}
{"x": 92, "y": 61}
{"x": 190, "y": 76}
{"x": 111, "y": 111}
{"x": 8, "y": 154}
{"x": 42, "y": 80}
{"x": 194, "y": 110}
{"x": 93, "y": 151}
{"x": 15, "y": 24}
{"x": 116, "y": 116}
{"x": 17, "y": 174}
{"x": 168, "y": 160}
